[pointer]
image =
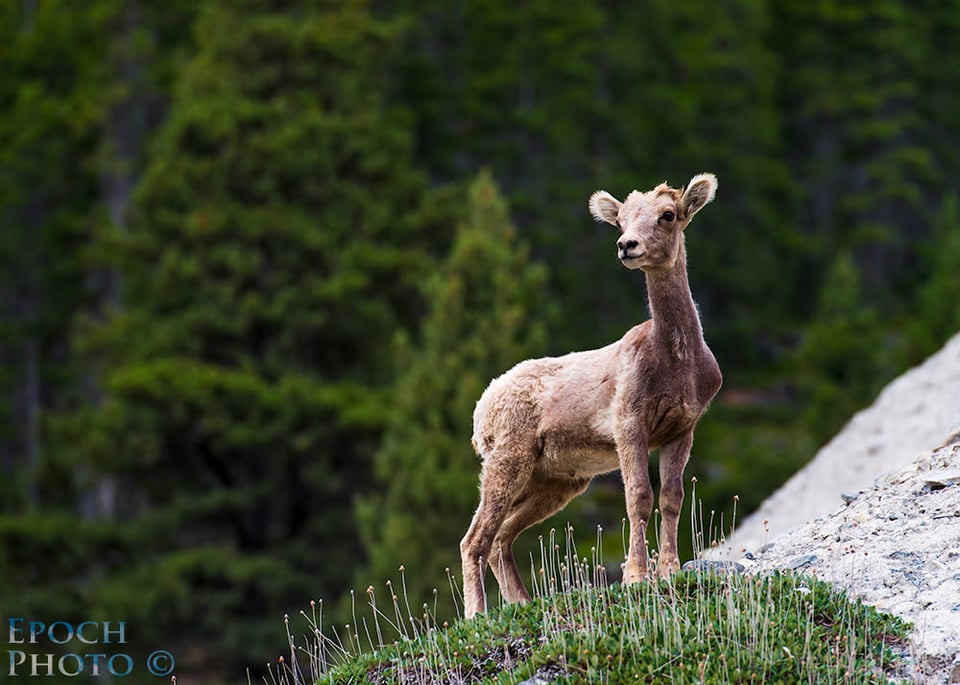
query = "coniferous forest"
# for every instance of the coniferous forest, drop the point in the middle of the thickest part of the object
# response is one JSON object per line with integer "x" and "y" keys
{"x": 259, "y": 259}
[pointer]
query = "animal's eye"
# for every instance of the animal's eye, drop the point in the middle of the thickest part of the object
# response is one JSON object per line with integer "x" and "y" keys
{"x": 667, "y": 216}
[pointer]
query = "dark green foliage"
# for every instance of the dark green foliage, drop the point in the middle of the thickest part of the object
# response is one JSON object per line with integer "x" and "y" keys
{"x": 274, "y": 250}
{"x": 840, "y": 360}
{"x": 938, "y": 314}
{"x": 275, "y": 246}
{"x": 52, "y": 63}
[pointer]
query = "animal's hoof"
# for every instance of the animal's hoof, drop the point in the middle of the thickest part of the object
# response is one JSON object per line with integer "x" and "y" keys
{"x": 634, "y": 573}
{"x": 667, "y": 568}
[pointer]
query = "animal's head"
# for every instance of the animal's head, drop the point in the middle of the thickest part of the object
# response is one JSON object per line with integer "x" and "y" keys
{"x": 651, "y": 224}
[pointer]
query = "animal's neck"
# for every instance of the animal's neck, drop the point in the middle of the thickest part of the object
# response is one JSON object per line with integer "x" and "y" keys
{"x": 676, "y": 323}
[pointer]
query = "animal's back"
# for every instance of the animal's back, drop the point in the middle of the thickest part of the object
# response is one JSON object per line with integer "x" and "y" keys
{"x": 545, "y": 399}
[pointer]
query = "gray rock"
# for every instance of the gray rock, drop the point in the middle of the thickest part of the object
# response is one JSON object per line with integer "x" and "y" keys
{"x": 899, "y": 554}
{"x": 803, "y": 562}
{"x": 704, "y": 565}
{"x": 937, "y": 480}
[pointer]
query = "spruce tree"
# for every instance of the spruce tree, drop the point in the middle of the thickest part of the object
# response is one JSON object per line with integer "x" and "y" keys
{"x": 274, "y": 248}
{"x": 841, "y": 362}
{"x": 487, "y": 312}
{"x": 935, "y": 316}
{"x": 851, "y": 95}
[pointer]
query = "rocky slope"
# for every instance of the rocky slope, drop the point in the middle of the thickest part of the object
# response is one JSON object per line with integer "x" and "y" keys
{"x": 870, "y": 516}
{"x": 913, "y": 413}
{"x": 894, "y": 545}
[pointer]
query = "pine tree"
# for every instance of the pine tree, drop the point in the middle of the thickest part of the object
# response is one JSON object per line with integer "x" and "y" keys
{"x": 851, "y": 94}
{"x": 274, "y": 247}
{"x": 487, "y": 312}
{"x": 842, "y": 361}
{"x": 531, "y": 109}
{"x": 936, "y": 314}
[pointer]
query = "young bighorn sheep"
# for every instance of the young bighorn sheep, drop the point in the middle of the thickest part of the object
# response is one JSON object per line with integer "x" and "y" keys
{"x": 545, "y": 428}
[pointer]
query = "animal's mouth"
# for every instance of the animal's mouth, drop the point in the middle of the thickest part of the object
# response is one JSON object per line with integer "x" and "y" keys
{"x": 631, "y": 260}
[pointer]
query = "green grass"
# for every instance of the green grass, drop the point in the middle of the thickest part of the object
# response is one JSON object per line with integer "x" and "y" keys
{"x": 693, "y": 628}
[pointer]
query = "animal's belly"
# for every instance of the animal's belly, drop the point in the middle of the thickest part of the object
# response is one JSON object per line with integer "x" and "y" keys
{"x": 583, "y": 461}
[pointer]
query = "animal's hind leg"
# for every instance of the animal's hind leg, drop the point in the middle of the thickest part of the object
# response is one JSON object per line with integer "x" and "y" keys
{"x": 540, "y": 499}
{"x": 502, "y": 482}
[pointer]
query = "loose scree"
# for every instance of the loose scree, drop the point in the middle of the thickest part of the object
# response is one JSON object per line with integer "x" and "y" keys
{"x": 545, "y": 428}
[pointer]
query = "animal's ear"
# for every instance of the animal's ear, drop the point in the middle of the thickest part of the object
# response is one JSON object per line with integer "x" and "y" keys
{"x": 604, "y": 207}
{"x": 699, "y": 192}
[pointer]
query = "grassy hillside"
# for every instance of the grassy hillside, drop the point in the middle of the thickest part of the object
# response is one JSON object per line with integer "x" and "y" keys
{"x": 695, "y": 628}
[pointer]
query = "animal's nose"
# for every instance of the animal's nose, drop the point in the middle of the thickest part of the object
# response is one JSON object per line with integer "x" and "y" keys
{"x": 626, "y": 244}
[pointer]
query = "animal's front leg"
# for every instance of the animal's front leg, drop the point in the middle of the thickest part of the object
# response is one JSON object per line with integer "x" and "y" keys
{"x": 634, "y": 467}
{"x": 673, "y": 459}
